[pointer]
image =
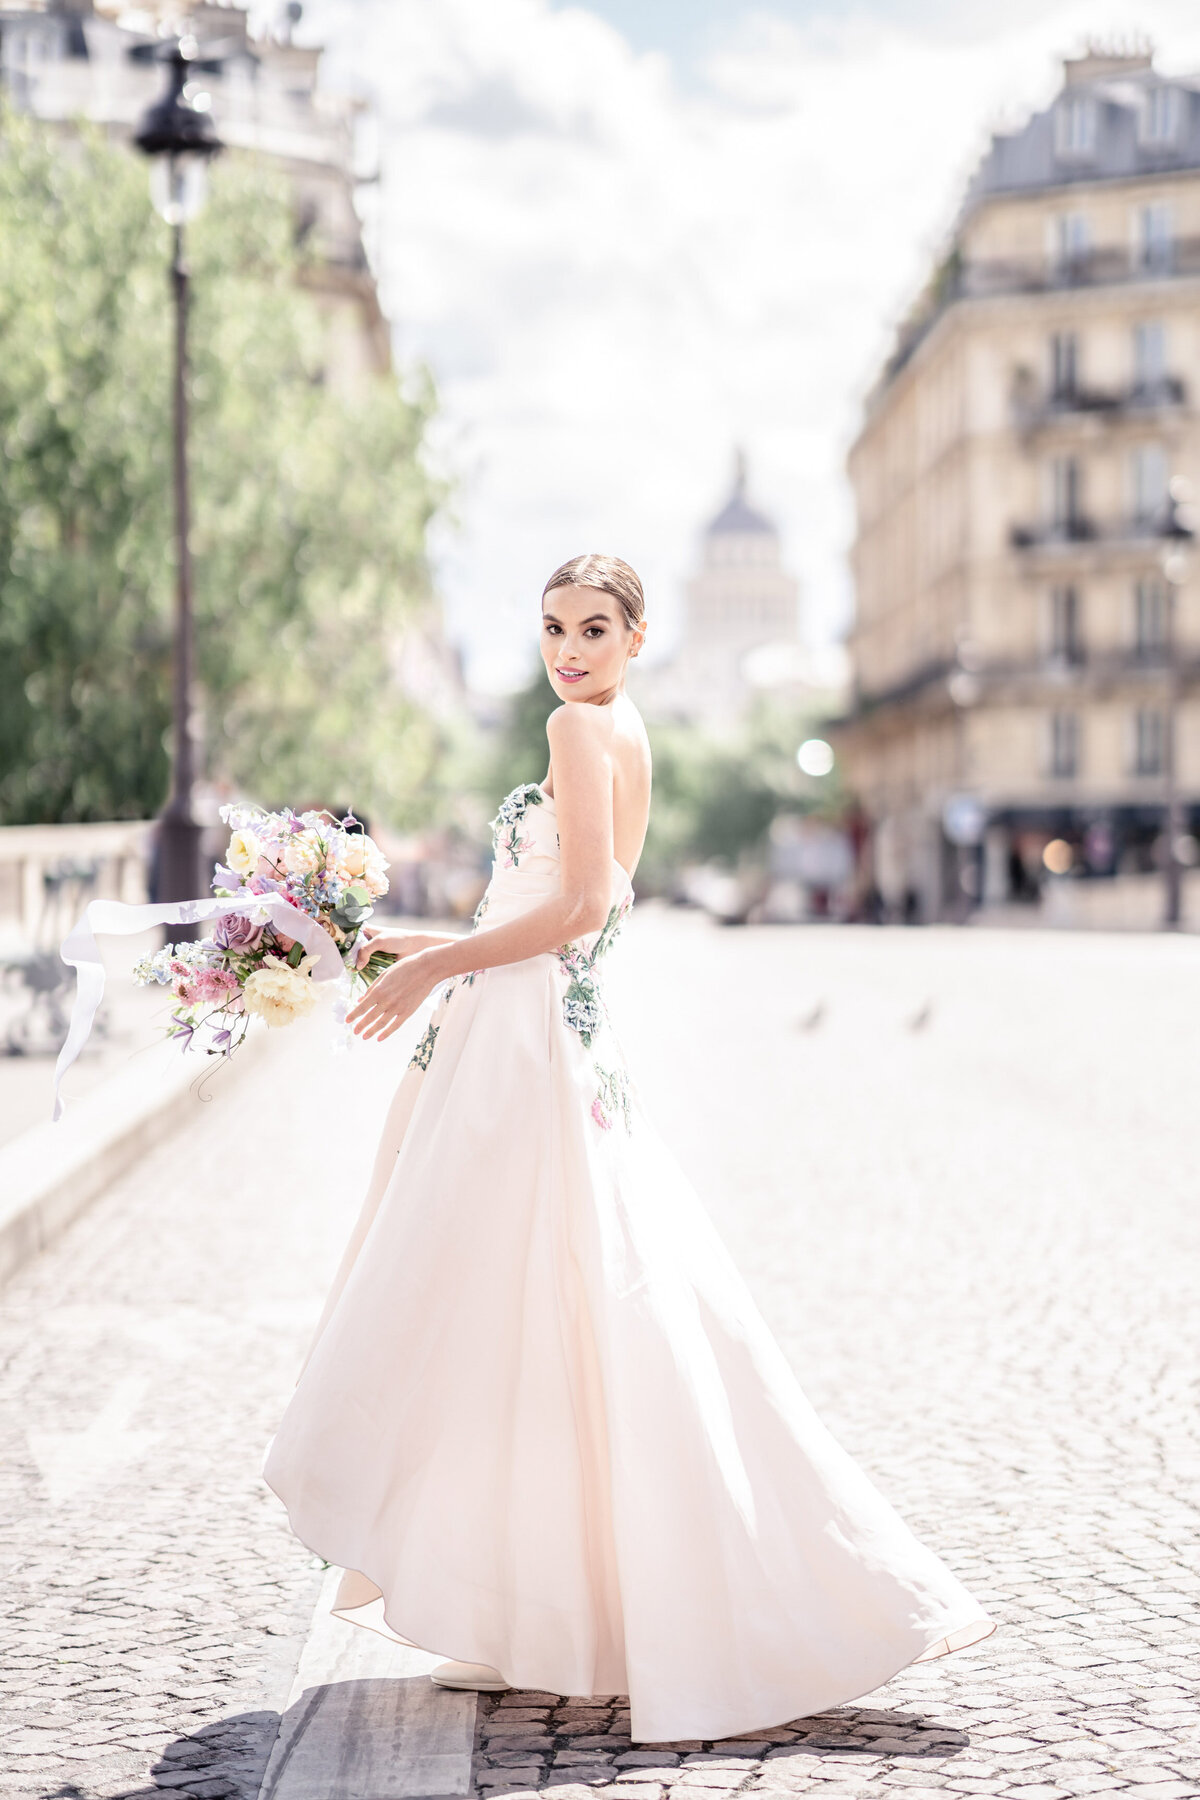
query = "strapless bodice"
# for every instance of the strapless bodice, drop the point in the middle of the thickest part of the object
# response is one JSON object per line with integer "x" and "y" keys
{"x": 526, "y": 865}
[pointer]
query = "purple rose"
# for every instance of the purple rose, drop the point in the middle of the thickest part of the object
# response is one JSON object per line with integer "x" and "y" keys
{"x": 234, "y": 931}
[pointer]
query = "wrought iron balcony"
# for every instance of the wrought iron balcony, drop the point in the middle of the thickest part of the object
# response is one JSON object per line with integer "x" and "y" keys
{"x": 1033, "y": 680}
{"x": 1097, "y": 267}
{"x": 961, "y": 279}
{"x": 1083, "y": 530}
{"x": 1077, "y": 530}
{"x": 1036, "y": 411}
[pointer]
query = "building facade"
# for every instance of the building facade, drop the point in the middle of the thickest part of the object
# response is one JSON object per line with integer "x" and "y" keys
{"x": 69, "y": 60}
{"x": 740, "y": 632}
{"x": 1026, "y": 651}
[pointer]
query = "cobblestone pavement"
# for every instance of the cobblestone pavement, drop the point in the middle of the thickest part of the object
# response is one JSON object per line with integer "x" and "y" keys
{"x": 152, "y": 1601}
{"x": 959, "y": 1170}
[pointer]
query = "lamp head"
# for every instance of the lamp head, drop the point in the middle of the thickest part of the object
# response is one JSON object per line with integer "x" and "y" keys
{"x": 181, "y": 122}
{"x": 178, "y": 133}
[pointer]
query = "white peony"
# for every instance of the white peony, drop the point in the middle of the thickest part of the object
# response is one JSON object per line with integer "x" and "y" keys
{"x": 278, "y": 993}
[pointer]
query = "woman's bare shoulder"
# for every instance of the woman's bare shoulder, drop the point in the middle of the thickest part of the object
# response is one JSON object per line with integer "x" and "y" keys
{"x": 576, "y": 724}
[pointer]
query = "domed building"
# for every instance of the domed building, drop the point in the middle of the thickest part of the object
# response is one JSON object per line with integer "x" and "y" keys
{"x": 741, "y": 625}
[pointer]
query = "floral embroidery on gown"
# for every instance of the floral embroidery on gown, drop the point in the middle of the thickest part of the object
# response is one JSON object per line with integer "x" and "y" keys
{"x": 542, "y": 1424}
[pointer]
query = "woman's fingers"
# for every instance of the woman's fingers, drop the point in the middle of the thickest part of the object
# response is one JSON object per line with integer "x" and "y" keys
{"x": 373, "y": 1016}
{"x": 366, "y": 1006}
{"x": 381, "y": 1027}
{"x": 388, "y": 1002}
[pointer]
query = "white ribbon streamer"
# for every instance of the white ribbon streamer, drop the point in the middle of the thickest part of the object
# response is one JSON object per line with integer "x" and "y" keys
{"x": 81, "y": 952}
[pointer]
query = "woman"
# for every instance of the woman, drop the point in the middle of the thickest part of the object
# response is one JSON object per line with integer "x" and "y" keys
{"x": 542, "y": 1426}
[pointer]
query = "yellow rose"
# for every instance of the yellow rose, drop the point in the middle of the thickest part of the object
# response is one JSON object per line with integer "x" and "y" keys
{"x": 279, "y": 994}
{"x": 243, "y": 853}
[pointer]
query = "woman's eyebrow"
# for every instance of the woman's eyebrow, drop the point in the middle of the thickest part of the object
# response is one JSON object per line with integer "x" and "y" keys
{"x": 592, "y": 619}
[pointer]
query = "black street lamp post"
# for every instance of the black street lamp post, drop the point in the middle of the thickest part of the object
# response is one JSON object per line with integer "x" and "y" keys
{"x": 178, "y": 134}
{"x": 1178, "y": 532}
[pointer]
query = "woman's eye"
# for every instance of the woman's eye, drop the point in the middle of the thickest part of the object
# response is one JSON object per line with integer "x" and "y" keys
{"x": 594, "y": 631}
{"x": 552, "y": 629}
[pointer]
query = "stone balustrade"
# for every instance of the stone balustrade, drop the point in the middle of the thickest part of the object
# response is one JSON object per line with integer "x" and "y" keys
{"x": 48, "y": 873}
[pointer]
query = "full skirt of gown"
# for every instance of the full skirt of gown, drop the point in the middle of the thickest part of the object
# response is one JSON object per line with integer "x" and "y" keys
{"x": 543, "y": 1425}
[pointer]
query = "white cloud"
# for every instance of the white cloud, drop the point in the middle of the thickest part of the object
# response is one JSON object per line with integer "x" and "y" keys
{"x": 616, "y": 278}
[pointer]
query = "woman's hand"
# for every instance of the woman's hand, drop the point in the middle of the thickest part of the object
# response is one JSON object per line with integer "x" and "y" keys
{"x": 392, "y": 943}
{"x": 395, "y": 997}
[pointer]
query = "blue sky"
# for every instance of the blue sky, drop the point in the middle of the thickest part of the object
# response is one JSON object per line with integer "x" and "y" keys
{"x": 676, "y": 26}
{"x": 682, "y": 29}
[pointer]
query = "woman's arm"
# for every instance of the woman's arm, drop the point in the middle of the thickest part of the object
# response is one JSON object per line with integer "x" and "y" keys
{"x": 583, "y": 798}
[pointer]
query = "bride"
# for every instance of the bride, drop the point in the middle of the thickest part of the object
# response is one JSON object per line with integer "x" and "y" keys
{"x": 542, "y": 1426}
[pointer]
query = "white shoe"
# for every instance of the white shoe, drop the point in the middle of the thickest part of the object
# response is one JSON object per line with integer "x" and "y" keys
{"x": 480, "y": 1676}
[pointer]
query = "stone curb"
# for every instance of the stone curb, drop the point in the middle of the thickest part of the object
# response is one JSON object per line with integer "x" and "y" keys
{"x": 363, "y": 1718}
{"x": 52, "y": 1172}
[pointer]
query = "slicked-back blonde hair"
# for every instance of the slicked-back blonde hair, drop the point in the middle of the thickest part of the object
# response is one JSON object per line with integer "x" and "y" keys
{"x": 610, "y": 575}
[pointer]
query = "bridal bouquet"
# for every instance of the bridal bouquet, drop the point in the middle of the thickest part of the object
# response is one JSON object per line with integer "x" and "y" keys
{"x": 328, "y": 869}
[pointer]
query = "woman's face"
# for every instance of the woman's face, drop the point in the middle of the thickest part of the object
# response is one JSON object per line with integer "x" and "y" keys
{"x": 586, "y": 643}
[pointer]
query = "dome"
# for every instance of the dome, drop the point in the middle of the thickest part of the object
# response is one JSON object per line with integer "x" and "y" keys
{"x": 737, "y": 516}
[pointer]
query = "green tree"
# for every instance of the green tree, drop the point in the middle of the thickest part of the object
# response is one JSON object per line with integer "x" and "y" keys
{"x": 712, "y": 800}
{"x": 521, "y": 752}
{"x": 310, "y": 508}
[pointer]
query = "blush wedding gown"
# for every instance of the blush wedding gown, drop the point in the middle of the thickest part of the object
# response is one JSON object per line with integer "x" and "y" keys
{"x": 543, "y": 1425}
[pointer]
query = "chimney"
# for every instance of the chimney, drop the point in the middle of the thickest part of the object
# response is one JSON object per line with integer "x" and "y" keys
{"x": 1108, "y": 60}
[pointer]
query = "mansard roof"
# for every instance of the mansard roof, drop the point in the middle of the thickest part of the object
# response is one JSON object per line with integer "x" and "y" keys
{"x": 1109, "y": 137}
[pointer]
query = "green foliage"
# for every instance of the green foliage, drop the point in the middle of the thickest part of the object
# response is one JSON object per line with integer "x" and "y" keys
{"x": 715, "y": 799}
{"x": 522, "y": 753}
{"x": 710, "y": 801}
{"x": 309, "y": 509}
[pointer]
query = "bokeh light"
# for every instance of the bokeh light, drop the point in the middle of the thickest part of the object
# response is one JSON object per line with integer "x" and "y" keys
{"x": 815, "y": 756}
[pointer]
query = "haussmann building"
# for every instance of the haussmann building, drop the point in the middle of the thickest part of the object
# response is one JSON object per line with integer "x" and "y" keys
{"x": 1026, "y": 652}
